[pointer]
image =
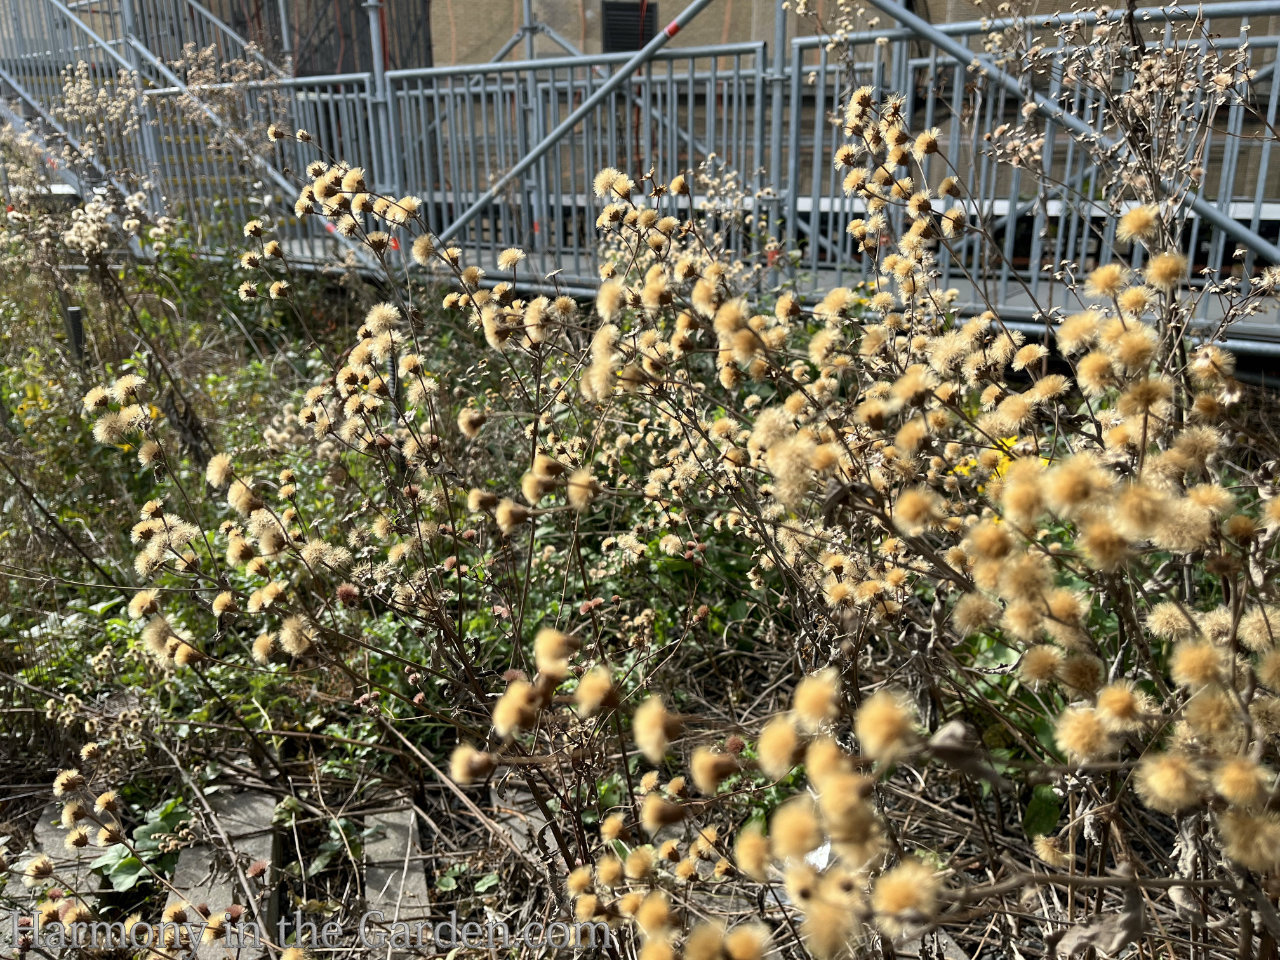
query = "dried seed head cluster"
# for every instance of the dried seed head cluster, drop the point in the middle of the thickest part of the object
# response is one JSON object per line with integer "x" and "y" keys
{"x": 934, "y": 564}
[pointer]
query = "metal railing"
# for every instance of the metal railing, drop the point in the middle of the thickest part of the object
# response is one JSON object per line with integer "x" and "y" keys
{"x": 448, "y": 134}
{"x": 168, "y": 27}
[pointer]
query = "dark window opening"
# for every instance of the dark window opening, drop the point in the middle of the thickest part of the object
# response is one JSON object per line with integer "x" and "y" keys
{"x": 628, "y": 25}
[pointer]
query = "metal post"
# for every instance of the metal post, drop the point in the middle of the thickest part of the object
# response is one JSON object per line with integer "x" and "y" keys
{"x": 379, "y": 101}
{"x": 150, "y": 147}
{"x": 128, "y": 27}
{"x": 1052, "y": 111}
{"x": 73, "y": 319}
{"x": 535, "y": 129}
{"x": 286, "y": 41}
{"x": 777, "y": 100}
{"x": 793, "y": 157}
{"x": 624, "y": 73}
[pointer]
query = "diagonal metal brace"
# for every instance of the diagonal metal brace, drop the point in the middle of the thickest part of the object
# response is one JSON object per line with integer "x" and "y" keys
{"x": 261, "y": 165}
{"x": 540, "y": 149}
{"x": 1047, "y": 108}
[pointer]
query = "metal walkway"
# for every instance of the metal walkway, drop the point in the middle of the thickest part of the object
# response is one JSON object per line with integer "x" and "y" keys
{"x": 759, "y": 111}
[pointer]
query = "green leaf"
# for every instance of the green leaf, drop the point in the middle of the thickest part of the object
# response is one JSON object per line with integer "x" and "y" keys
{"x": 320, "y": 864}
{"x": 487, "y": 882}
{"x": 126, "y": 873}
{"x": 1043, "y": 811}
{"x": 111, "y": 859}
{"x": 446, "y": 883}
{"x": 146, "y": 837}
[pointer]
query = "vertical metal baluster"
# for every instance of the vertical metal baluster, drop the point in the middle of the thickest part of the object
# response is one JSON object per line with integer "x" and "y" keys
{"x": 629, "y": 131}
{"x": 756, "y": 151}
{"x": 1218, "y": 258}
{"x": 819, "y": 157}
{"x": 1077, "y": 166}
{"x": 480, "y": 144}
{"x": 438, "y": 165}
{"x": 1264, "y": 160}
{"x": 608, "y": 151}
{"x": 671, "y": 142}
{"x": 574, "y": 195}
{"x": 476, "y": 232}
{"x": 1040, "y": 221}
{"x": 550, "y": 171}
{"x": 646, "y": 116}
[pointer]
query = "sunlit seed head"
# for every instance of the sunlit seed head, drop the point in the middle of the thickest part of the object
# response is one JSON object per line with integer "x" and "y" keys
{"x": 262, "y": 648}
{"x": 218, "y": 471}
{"x": 1242, "y": 782}
{"x": 1122, "y": 707}
{"x": 468, "y": 765}
{"x": 1251, "y": 839}
{"x": 1107, "y": 280}
{"x": 595, "y": 691}
{"x": 926, "y": 144}
{"x": 1135, "y": 301}
{"x": 67, "y": 782}
{"x": 1077, "y": 332}
{"x": 1081, "y": 734}
{"x": 603, "y": 183}
{"x": 904, "y": 895}
{"x": 1039, "y": 664}
{"x": 794, "y": 829}
{"x": 816, "y": 701}
{"x": 470, "y": 420}
{"x": 1169, "y": 782}
{"x": 1166, "y": 270}
{"x": 710, "y": 767}
{"x": 1139, "y": 223}
{"x": 353, "y": 181}
{"x": 884, "y": 725}
{"x": 1195, "y": 664}
{"x": 653, "y": 726}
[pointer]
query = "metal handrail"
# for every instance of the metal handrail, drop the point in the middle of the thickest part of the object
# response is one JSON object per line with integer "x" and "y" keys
{"x": 560, "y": 63}
{"x": 965, "y": 28}
{"x": 249, "y": 48}
{"x": 279, "y": 179}
{"x": 90, "y": 33}
{"x": 1054, "y": 112}
{"x": 284, "y": 83}
{"x": 503, "y": 153}
{"x": 587, "y": 106}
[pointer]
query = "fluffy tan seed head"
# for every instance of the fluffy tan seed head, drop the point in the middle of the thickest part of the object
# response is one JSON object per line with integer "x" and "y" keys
{"x": 883, "y": 725}
{"x": 816, "y": 700}
{"x": 905, "y": 895}
{"x": 1168, "y": 782}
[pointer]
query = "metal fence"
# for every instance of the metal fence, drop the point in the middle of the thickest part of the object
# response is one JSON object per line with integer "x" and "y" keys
{"x": 448, "y": 134}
